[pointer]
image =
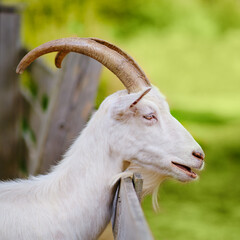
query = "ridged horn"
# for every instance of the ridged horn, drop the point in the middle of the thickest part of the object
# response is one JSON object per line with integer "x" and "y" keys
{"x": 117, "y": 61}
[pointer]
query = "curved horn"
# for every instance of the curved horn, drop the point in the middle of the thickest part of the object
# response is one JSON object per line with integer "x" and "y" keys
{"x": 117, "y": 61}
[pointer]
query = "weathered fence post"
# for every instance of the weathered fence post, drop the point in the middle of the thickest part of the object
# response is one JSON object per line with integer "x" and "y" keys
{"x": 71, "y": 93}
{"x": 128, "y": 221}
{"x": 10, "y": 136}
{"x": 70, "y": 107}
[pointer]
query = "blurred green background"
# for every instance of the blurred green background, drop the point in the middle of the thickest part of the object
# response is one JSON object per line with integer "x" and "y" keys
{"x": 191, "y": 51}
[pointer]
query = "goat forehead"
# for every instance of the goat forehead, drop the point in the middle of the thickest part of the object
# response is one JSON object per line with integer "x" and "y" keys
{"x": 155, "y": 99}
{"x": 110, "y": 99}
{"x": 157, "y": 102}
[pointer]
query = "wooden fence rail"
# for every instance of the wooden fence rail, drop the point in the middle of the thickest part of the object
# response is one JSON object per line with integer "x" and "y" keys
{"x": 38, "y": 122}
{"x": 57, "y": 126}
{"x": 128, "y": 220}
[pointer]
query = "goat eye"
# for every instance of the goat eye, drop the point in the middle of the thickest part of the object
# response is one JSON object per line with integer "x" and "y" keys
{"x": 150, "y": 116}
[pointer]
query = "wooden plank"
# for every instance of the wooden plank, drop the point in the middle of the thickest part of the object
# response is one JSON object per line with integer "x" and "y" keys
{"x": 129, "y": 221}
{"x": 138, "y": 185}
{"x": 43, "y": 80}
{"x": 71, "y": 104}
{"x": 10, "y": 99}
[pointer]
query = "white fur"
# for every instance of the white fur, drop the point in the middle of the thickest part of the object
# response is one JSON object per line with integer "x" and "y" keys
{"x": 74, "y": 200}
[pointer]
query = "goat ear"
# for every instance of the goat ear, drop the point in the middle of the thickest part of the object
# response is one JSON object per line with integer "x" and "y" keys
{"x": 142, "y": 94}
{"x": 126, "y": 105}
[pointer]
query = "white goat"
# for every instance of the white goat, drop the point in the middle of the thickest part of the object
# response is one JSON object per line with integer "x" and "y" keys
{"x": 133, "y": 130}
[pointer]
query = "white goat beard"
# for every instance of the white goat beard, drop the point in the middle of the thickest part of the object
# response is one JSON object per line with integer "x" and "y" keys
{"x": 151, "y": 181}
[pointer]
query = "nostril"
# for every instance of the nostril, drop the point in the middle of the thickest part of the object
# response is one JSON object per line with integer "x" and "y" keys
{"x": 198, "y": 155}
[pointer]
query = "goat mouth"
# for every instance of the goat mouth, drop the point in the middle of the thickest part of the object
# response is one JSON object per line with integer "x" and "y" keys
{"x": 185, "y": 169}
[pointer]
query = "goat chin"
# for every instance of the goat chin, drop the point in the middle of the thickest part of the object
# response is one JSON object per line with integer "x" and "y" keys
{"x": 151, "y": 183}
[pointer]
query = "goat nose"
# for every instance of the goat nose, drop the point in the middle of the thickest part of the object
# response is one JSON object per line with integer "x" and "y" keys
{"x": 198, "y": 155}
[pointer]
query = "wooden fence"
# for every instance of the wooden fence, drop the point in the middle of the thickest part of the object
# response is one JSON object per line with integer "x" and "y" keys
{"x": 40, "y": 117}
{"x": 128, "y": 221}
{"x": 47, "y": 109}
